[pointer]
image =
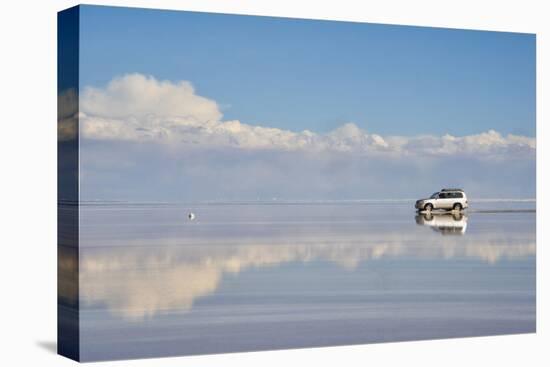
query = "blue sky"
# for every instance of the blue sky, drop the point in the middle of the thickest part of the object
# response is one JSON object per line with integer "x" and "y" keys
{"x": 196, "y": 106}
{"x": 306, "y": 74}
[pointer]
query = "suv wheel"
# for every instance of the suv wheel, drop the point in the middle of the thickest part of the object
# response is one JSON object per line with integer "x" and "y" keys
{"x": 457, "y": 207}
{"x": 428, "y": 207}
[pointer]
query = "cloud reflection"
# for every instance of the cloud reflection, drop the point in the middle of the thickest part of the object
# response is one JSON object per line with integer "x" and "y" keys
{"x": 138, "y": 282}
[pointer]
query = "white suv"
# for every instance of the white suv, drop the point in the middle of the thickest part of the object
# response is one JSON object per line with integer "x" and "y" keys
{"x": 448, "y": 199}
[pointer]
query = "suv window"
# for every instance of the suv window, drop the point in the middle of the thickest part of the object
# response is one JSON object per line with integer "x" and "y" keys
{"x": 457, "y": 195}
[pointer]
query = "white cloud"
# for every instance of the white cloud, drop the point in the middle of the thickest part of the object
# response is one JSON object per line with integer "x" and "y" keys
{"x": 136, "y": 96}
{"x": 67, "y": 110}
{"x": 486, "y": 143}
{"x": 135, "y": 107}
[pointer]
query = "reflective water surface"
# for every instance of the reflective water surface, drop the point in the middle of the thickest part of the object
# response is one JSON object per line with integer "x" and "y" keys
{"x": 256, "y": 277}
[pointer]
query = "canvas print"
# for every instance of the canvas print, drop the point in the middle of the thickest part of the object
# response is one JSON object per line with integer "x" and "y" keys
{"x": 233, "y": 183}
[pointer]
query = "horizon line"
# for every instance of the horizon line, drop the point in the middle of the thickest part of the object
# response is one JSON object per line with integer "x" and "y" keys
{"x": 273, "y": 201}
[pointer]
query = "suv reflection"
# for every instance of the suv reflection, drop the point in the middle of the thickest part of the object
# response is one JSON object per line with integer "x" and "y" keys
{"x": 444, "y": 223}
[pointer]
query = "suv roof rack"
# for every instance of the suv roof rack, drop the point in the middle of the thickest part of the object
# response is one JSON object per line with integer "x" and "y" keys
{"x": 443, "y": 190}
